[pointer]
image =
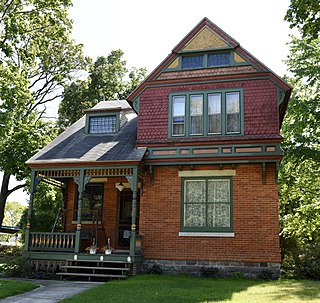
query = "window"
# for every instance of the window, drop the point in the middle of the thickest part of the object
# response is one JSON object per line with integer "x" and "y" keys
{"x": 92, "y": 202}
{"x": 214, "y": 112}
{"x": 196, "y": 114}
{"x": 207, "y": 204}
{"x": 178, "y": 115}
{"x": 218, "y": 59}
{"x": 233, "y": 112}
{"x": 102, "y": 124}
{"x": 206, "y": 113}
{"x": 205, "y": 60}
{"x": 192, "y": 61}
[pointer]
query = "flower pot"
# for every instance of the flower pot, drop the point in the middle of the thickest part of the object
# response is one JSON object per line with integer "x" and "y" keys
{"x": 92, "y": 251}
{"x": 108, "y": 251}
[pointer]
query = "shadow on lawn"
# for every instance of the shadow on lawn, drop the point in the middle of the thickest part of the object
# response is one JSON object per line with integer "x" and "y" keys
{"x": 303, "y": 289}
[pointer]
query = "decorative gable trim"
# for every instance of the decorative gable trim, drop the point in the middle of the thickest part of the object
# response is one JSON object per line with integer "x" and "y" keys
{"x": 205, "y": 39}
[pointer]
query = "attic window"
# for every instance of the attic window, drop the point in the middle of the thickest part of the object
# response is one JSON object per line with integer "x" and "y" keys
{"x": 218, "y": 59}
{"x": 103, "y": 124}
{"x": 192, "y": 61}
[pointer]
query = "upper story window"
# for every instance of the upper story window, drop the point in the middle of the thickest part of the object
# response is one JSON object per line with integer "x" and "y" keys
{"x": 102, "y": 124}
{"x": 218, "y": 59}
{"x": 192, "y": 61}
{"x": 206, "y": 113}
{"x": 205, "y": 60}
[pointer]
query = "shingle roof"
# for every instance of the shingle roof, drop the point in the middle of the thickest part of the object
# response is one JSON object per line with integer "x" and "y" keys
{"x": 74, "y": 145}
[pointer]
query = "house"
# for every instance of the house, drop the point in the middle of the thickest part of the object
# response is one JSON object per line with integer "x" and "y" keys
{"x": 182, "y": 174}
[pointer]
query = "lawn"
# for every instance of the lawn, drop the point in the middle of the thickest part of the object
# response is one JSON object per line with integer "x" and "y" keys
{"x": 173, "y": 289}
{"x": 12, "y": 288}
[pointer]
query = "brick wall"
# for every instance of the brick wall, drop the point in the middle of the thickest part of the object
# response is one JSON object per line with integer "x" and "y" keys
{"x": 111, "y": 196}
{"x": 260, "y": 109}
{"x": 255, "y": 219}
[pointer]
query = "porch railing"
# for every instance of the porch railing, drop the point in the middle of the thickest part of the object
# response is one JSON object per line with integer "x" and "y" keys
{"x": 47, "y": 241}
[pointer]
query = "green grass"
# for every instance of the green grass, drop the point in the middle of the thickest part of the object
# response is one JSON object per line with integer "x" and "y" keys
{"x": 11, "y": 288}
{"x": 173, "y": 289}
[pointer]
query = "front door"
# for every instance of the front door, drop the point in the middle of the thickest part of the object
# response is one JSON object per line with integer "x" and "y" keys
{"x": 124, "y": 218}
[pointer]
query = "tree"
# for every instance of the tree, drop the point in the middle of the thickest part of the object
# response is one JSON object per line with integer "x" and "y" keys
{"x": 37, "y": 57}
{"x": 299, "y": 176}
{"x": 13, "y": 213}
{"x": 304, "y": 14}
{"x": 106, "y": 81}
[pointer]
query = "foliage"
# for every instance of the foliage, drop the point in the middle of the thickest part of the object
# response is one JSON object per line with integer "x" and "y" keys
{"x": 174, "y": 289}
{"x": 11, "y": 287}
{"x": 266, "y": 274}
{"x": 13, "y": 213}
{"x": 13, "y": 263}
{"x": 305, "y": 14}
{"x": 37, "y": 57}
{"x": 303, "y": 262}
{"x": 209, "y": 272}
{"x": 155, "y": 270}
{"x": 47, "y": 204}
{"x": 106, "y": 81}
{"x": 299, "y": 176}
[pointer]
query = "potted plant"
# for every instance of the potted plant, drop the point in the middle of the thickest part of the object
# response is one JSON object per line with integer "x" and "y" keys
{"x": 107, "y": 248}
{"x": 92, "y": 249}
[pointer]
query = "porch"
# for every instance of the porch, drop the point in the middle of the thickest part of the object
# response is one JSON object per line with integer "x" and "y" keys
{"x": 113, "y": 212}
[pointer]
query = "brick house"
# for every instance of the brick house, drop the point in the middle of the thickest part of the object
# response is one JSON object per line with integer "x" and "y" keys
{"x": 182, "y": 174}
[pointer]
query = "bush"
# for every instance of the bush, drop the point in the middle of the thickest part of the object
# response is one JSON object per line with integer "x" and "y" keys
{"x": 209, "y": 272}
{"x": 155, "y": 270}
{"x": 238, "y": 275}
{"x": 13, "y": 263}
{"x": 266, "y": 274}
{"x": 306, "y": 262}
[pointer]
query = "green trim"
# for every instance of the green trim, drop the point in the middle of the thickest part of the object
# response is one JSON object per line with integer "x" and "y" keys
{"x": 102, "y": 114}
{"x": 136, "y": 104}
{"x": 206, "y": 228}
{"x": 205, "y": 60}
{"x": 280, "y": 95}
{"x": 205, "y": 116}
{"x": 234, "y": 150}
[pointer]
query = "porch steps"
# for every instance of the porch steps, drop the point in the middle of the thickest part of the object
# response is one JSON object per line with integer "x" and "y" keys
{"x": 104, "y": 270}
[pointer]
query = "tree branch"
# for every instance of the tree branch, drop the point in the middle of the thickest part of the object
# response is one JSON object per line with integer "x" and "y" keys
{"x": 10, "y": 191}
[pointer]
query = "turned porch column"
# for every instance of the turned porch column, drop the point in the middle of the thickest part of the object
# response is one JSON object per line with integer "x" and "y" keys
{"x": 82, "y": 182}
{"x": 134, "y": 188}
{"x": 34, "y": 181}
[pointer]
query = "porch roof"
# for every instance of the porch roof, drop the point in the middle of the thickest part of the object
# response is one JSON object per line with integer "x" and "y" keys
{"x": 74, "y": 145}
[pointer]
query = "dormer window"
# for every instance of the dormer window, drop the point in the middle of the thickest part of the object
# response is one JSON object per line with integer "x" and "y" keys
{"x": 218, "y": 59}
{"x": 102, "y": 121}
{"x": 103, "y": 124}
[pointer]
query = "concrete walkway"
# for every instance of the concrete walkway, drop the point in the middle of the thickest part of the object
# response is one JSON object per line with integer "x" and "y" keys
{"x": 51, "y": 291}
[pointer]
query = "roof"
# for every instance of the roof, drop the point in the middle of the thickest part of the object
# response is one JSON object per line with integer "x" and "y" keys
{"x": 74, "y": 145}
{"x": 227, "y": 42}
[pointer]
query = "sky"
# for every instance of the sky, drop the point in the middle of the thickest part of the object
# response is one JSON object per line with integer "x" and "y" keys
{"x": 146, "y": 31}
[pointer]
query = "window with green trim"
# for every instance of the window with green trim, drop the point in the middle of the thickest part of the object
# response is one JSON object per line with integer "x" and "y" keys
{"x": 205, "y": 60}
{"x": 206, "y": 204}
{"x": 206, "y": 113}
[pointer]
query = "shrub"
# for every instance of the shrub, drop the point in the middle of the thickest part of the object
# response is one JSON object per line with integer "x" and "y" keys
{"x": 155, "y": 269}
{"x": 307, "y": 262}
{"x": 209, "y": 272}
{"x": 238, "y": 275}
{"x": 266, "y": 274}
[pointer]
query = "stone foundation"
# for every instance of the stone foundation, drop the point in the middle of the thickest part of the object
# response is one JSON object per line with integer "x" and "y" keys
{"x": 225, "y": 269}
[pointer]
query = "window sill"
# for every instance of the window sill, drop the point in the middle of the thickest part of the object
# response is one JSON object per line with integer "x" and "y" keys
{"x": 207, "y": 234}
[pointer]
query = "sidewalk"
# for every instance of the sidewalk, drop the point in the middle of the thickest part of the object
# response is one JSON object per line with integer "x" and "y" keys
{"x": 51, "y": 291}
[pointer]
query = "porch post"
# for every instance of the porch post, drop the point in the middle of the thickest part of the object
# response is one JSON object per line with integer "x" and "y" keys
{"x": 80, "y": 182}
{"x": 33, "y": 184}
{"x": 134, "y": 188}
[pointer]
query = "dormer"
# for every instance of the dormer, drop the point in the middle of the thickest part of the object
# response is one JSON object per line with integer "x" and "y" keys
{"x": 102, "y": 121}
{"x": 107, "y": 117}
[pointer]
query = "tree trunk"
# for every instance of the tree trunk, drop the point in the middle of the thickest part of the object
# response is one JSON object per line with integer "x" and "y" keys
{"x": 4, "y": 194}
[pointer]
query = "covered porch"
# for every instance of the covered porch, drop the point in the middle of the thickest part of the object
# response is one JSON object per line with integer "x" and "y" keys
{"x": 100, "y": 205}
